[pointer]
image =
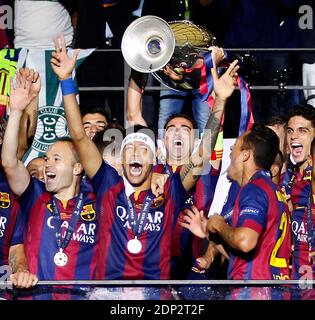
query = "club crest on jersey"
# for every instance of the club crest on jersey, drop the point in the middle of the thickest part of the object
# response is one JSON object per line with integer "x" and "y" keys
{"x": 88, "y": 213}
{"x": 158, "y": 201}
{"x": 307, "y": 175}
{"x": 4, "y": 200}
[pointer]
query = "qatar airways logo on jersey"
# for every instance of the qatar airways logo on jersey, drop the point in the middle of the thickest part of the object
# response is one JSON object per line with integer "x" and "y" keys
{"x": 300, "y": 231}
{"x": 153, "y": 223}
{"x": 85, "y": 233}
{"x": 3, "y": 222}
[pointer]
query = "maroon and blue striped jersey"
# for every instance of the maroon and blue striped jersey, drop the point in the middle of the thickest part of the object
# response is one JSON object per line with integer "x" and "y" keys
{"x": 153, "y": 261}
{"x": 228, "y": 206}
{"x": 301, "y": 190}
{"x": 39, "y": 234}
{"x": 186, "y": 247}
{"x": 262, "y": 207}
{"x": 9, "y": 210}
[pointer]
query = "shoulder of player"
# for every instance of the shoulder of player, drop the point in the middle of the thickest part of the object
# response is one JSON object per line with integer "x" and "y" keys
{"x": 254, "y": 189}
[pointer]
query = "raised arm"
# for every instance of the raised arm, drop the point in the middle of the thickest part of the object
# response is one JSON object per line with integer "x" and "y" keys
{"x": 29, "y": 118}
{"x": 223, "y": 89}
{"x": 134, "y": 99}
{"x": 20, "y": 97}
{"x": 63, "y": 65}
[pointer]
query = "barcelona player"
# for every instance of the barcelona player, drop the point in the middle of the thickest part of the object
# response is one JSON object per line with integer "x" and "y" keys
{"x": 258, "y": 237}
{"x": 136, "y": 227}
{"x": 11, "y": 251}
{"x": 59, "y": 216}
{"x": 179, "y": 141}
{"x": 300, "y": 133}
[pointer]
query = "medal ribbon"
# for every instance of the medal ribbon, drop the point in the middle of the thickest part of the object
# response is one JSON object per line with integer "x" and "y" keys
{"x": 63, "y": 242}
{"x": 168, "y": 169}
{"x": 288, "y": 179}
{"x": 137, "y": 224}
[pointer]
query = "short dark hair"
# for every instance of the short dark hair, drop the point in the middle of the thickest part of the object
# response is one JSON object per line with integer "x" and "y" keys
{"x": 104, "y": 138}
{"x": 93, "y": 110}
{"x": 276, "y": 121}
{"x": 306, "y": 111}
{"x": 264, "y": 143}
{"x": 180, "y": 115}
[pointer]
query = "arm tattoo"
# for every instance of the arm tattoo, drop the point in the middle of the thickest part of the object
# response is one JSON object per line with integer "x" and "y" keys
{"x": 209, "y": 139}
{"x": 186, "y": 170}
{"x": 12, "y": 262}
{"x": 213, "y": 126}
{"x": 17, "y": 261}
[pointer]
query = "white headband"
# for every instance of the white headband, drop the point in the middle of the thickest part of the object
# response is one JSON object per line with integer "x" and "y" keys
{"x": 141, "y": 137}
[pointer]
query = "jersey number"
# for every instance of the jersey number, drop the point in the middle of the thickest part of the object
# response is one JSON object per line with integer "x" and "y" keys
{"x": 274, "y": 261}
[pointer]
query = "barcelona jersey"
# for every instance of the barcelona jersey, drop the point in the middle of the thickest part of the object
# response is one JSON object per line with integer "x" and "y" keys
{"x": 9, "y": 209}
{"x": 227, "y": 209}
{"x": 39, "y": 235}
{"x": 261, "y": 207}
{"x": 300, "y": 193}
{"x": 153, "y": 261}
{"x": 185, "y": 246}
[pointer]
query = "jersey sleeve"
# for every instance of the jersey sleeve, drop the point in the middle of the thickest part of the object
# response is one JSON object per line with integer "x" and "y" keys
{"x": 105, "y": 178}
{"x": 19, "y": 228}
{"x": 228, "y": 206}
{"x": 205, "y": 189}
{"x": 253, "y": 208}
{"x": 27, "y": 201}
{"x": 34, "y": 190}
{"x": 177, "y": 192}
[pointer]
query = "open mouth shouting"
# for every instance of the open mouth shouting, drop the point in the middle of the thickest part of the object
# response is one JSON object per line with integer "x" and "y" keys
{"x": 50, "y": 176}
{"x": 135, "y": 168}
{"x": 297, "y": 149}
{"x": 178, "y": 143}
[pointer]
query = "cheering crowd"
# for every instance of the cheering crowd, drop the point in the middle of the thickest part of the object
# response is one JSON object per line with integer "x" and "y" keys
{"x": 108, "y": 204}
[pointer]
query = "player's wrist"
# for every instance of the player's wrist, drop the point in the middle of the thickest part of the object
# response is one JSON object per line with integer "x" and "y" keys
{"x": 218, "y": 226}
{"x": 15, "y": 111}
{"x": 68, "y": 86}
{"x": 64, "y": 76}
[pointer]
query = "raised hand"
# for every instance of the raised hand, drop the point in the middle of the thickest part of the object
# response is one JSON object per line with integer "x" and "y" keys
{"x": 61, "y": 63}
{"x": 36, "y": 82}
{"x": 195, "y": 222}
{"x": 21, "y": 95}
{"x": 224, "y": 86}
{"x": 217, "y": 55}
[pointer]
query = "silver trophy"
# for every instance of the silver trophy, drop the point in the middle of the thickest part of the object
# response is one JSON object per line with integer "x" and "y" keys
{"x": 174, "y": 52}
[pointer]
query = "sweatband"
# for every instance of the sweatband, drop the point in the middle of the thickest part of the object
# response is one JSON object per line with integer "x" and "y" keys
{"x": 68, "y": 86}
{"x": 138, "y": 137}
